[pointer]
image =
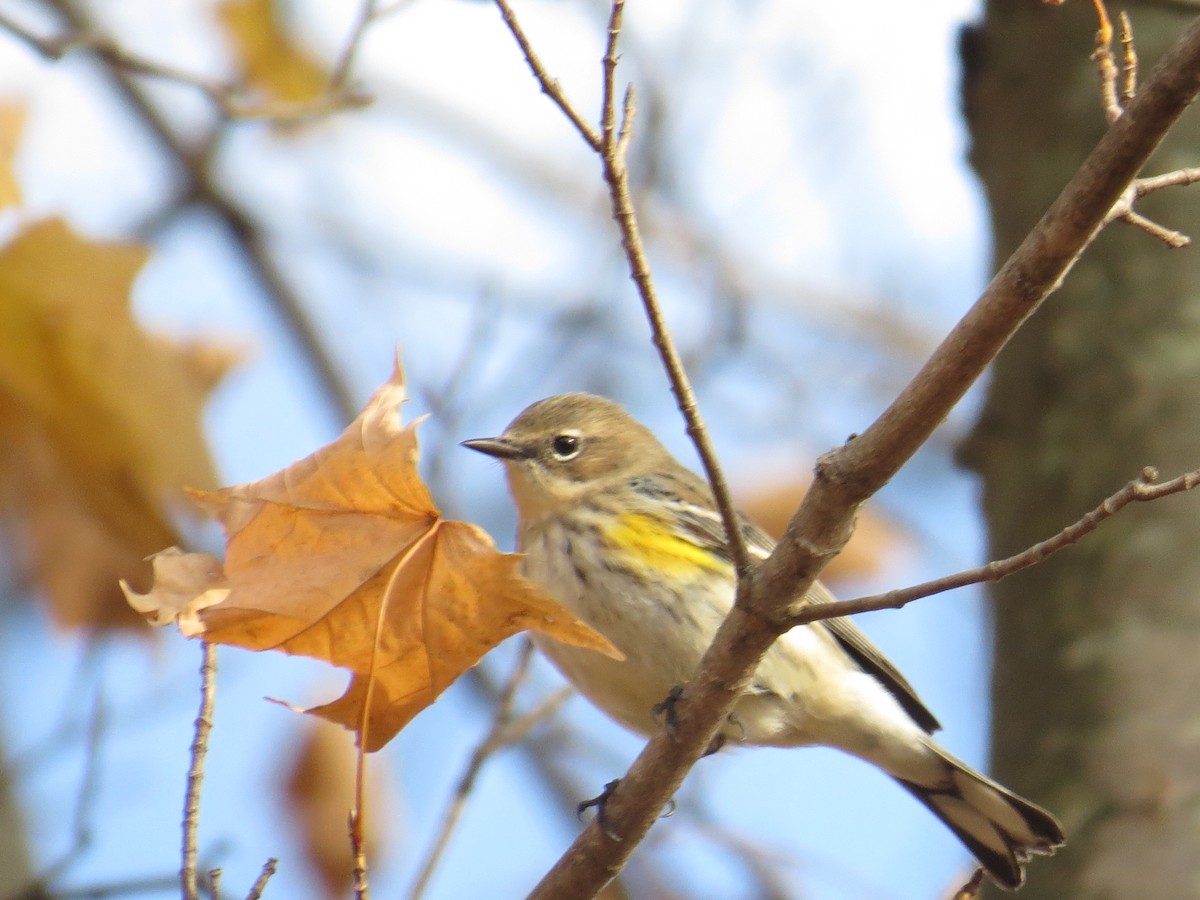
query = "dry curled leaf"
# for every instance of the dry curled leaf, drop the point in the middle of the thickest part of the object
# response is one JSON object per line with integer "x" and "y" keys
{"x": 343, "y": 557}
{"x": 99, "y": 422}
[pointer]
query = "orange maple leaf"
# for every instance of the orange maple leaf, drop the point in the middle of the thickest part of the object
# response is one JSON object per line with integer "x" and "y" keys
{"x": 344, "y": 557}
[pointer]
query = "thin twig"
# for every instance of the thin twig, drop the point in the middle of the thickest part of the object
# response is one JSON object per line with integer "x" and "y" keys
{"x": 1123, "y": 209}
{"x": 214, "y": 883}
{"x": 1140, "y": 490}
{"x": 225, "y": 96}
{"x": 550, "y": 86}
{"x": 504, "y": 733}
{"x": 1114, "y": 106}
{"x": 358, "y": 842}
{"x": 260, "y": 883}
{"x": 80, "y": 829}
{"x": 1129, "y": 61}
{"x": 1105, "y": 65}
{"x": 609, "y": 64}
{"x": 616, "y": 176}
{"x": 369, "y": 12}
{"x": 1179, "y": 178}
{"x": 195, "y": 777}
{"x": 156, "y": 885}
{"x": 495, "y": 738}
{"x": 1176, "y": 240}
{"x": 55, "y": 48}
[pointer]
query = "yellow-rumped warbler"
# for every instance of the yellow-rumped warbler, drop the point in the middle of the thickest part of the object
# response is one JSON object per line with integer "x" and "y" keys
{"x": 614, "y": 528}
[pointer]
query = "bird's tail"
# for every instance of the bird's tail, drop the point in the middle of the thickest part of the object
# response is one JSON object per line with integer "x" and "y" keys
{"x": 1000, "y": 828}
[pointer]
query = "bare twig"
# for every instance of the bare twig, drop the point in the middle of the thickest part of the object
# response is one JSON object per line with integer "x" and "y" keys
{"x": 358, "y": 843}
{"x": 500, "y": 734}
{"x": 1129, "y": 61}
{"x": 607, "y": 103}
{"x": 129, "y": 887}
{"x": 369, "y": 12}
{"x": 81, "y": 834}
{"x": 1179, "y": 178}
{"x": 222, "y": 94}
{"x": 1123, "y": 209}
{"x": 1104, "y": 63}
{"x": 214, "y": 883}
{"x": 195, "y": 777}
{"x": 616, "y": 175}
{"x": 550, "y": 86}
{"x": 260, "y": 883}
{"x": 846, "y": 477}
{"x": 1114, "y": 104}
{"x": 227, "y": 97}
{"x": 1140, "y": 490}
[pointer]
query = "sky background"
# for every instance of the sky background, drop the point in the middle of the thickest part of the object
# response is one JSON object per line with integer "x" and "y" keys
{"x": 818, "y": 146}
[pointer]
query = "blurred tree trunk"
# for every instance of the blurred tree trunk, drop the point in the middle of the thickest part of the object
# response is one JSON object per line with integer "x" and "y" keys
{"x": 1096, "y": 686}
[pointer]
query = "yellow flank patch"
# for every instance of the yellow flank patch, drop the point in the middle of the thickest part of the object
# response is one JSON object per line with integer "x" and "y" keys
{"x": 647, "y": 544}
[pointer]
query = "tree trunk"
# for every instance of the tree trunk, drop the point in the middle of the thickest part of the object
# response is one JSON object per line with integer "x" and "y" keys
{"x": 1096, "y": 686}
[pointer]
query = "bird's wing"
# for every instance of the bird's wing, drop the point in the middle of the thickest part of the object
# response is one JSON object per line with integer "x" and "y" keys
{"x": 701, "y": 525}
{"x": 871, "y": 659}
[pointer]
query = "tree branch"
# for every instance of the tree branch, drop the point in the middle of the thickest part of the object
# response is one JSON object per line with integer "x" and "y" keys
{"x": 1140, "y": 490}
{"x": 849, "y": 475}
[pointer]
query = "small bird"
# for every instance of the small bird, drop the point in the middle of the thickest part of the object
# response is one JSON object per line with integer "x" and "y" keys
{"x": 630, "y": 541}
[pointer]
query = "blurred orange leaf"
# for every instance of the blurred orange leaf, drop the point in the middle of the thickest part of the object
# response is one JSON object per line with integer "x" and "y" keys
{"x": 320, "y": 791}
{"x": 12, "y": 121}
{"x": 269, "y": 59}
{"x": 772, "y": 500}
{"x": 99, "y": 422}
{"x": 343, "y": 557}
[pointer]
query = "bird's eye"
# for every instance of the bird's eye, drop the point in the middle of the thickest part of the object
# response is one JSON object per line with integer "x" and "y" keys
{"x": 565, "y": 446}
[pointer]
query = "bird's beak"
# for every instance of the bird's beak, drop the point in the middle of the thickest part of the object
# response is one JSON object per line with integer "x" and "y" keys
{"x": 497, "y": 447}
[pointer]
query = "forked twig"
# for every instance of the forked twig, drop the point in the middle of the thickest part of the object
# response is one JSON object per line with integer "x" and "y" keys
{"x": 1114, "y": 100}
